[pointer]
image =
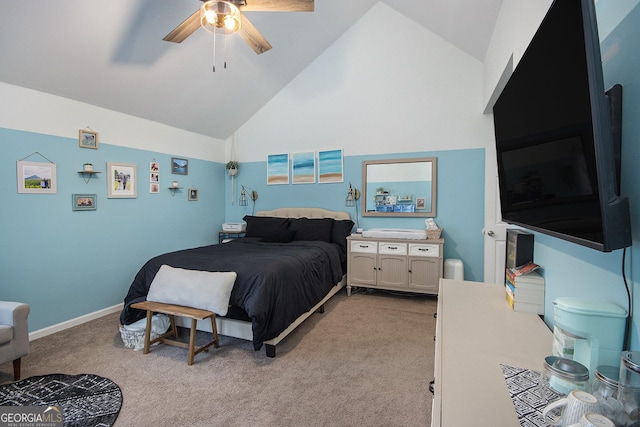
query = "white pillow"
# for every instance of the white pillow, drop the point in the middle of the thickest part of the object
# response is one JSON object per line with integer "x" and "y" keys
{"x": 206, "y": 290}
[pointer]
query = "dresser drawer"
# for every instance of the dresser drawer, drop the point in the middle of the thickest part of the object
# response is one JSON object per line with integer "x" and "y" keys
{"x": 424, "y": 249}
{"x": 363, "y": 246}
{"x": 393, "y": 248}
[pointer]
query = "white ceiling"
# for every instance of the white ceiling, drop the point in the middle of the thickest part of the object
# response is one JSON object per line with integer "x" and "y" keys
{"x": 111, "y": 54}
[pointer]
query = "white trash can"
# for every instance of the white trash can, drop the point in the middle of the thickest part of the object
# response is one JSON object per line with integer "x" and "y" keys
{"x": 453, "y": 269}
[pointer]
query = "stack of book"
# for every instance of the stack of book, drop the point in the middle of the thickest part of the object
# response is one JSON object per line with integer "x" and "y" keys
{"x": 525, "y": 291}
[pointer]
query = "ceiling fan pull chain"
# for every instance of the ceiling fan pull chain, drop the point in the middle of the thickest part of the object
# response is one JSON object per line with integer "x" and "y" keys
{"x": 225, "y": 51}
{"x": 214, "y": 52}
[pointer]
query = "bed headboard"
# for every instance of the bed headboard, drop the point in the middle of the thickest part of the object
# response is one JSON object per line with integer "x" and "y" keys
{"x": 305, "y": 213}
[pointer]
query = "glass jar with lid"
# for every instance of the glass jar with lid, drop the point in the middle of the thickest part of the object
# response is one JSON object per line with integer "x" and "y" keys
{"x": 605, "y": 388}
{"x": 560, "y": 376}
{"x": 629, "y": 388}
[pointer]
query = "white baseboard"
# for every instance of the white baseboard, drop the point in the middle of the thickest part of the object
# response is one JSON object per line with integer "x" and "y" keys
{"x": 74, "y": 322}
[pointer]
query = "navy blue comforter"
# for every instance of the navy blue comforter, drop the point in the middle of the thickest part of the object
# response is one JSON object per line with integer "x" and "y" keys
{"x": 276, "y": 283}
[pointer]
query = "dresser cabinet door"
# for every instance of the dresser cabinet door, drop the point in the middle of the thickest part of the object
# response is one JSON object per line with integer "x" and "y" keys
{"x": 362, "y": 269}
{"x": 392, "y": 271}
{"x": 424, "y": 274}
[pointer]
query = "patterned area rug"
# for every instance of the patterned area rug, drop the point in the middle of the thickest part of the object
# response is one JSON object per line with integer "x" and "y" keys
{"x": 86, "y": 400}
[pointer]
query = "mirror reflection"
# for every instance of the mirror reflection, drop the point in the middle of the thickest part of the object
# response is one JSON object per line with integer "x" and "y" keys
{"x": 399, "y": 187}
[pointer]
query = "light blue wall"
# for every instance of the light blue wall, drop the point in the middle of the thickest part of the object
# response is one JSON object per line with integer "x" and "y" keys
{"x": 460, "y": 199}
{"x": 572, "y": 270}
{"x": 66, "y": 264}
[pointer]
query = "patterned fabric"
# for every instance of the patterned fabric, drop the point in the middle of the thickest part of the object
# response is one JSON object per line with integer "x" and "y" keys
{"x": 86, "y": 400}
{"x": 525, "y": 395}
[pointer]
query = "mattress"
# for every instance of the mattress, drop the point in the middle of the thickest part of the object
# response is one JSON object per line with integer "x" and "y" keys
{"x": 395, "y": 233}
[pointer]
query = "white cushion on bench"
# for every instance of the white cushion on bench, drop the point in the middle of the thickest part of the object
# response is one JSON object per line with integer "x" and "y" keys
{"x": 206, "y": 290}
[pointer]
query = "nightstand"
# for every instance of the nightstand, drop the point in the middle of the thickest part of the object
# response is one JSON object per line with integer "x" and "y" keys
{"x": 229, "y": 235}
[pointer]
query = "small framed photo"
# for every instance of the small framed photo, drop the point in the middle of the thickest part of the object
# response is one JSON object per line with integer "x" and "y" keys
{"x": 121, "y": 180}
{"x": 154, "y": 166}
{"x": 193, "y": 194}
{"x": 87, "y": 139}
{"x": 179, "y": 166}
{"x": 84, "y": 202}
{"x": 421, "y": 202}
{"x": 154, "y": 188}
{"x": 36, "y": 177}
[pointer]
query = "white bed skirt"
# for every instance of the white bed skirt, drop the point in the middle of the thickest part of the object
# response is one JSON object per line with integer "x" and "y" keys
{"x": 241, "y": 329}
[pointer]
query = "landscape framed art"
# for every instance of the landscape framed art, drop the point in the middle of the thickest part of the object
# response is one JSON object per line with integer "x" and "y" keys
{"x": 87, "y": 139}
{"x": 303, "y": 168}
{"x": 36, "y": 177}
{"x": 330, "y": 166}
{"x": 278, "y": 169}
{"x": 179, "y": 166}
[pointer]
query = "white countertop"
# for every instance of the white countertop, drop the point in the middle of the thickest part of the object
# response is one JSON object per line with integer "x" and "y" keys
{"x": 476, "y": 332}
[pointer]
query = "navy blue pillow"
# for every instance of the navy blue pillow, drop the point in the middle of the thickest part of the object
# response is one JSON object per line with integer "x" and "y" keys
{"x": 341, "y": 230}
{"x": 284, "y": 236}
{"x": 265, "y": 226}
{"x": 312, "y": 228}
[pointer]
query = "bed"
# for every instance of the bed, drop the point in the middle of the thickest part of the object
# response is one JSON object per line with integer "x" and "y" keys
{"x": 291, "y": 261}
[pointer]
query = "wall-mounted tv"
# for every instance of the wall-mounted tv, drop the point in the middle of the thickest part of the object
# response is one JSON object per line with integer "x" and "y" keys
{"x": 558, "y": 159}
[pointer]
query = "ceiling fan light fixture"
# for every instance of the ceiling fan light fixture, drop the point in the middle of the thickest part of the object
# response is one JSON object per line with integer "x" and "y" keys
{"x": 220, "y": 16}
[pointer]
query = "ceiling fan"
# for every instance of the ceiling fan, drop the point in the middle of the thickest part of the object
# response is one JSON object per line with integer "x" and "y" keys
{"x": 247, "y": 30}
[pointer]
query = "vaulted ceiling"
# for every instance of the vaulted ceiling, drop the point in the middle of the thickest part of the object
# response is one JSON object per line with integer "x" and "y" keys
{"x": 111, "y": 53}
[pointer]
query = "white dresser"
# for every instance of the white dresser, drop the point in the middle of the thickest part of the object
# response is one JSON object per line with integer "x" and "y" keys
{"x": 395, "y": 264}
{"x": 476, "y": 332}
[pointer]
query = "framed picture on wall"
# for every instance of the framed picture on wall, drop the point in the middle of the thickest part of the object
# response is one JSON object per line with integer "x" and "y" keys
{"x": 36, "y": 177}
{"x": 87, "y": 139}
{"x": 192, "y": 195}
{"x": 303, "y": 168}
{"x": 278, "y": 169}
{"x": 84, "y": 202}
{"x": 330, "y": 166}
{"x": 121, "y": 180}
{"x": 179, "y": 166}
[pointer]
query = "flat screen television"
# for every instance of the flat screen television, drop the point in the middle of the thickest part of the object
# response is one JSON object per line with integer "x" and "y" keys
{"x": 557, "y": 146}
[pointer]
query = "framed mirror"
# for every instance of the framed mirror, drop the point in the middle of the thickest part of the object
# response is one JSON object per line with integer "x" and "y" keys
{"x": 399, "y": 187}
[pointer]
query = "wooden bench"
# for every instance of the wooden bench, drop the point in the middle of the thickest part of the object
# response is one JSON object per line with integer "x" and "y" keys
{"x": 172, "y": 310}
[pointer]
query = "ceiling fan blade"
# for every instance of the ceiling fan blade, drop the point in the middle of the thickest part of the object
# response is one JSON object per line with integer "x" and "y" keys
{"x": 185, "y": 29}
{"x": 275, "y": 5}
{"x": 252, "y": 36}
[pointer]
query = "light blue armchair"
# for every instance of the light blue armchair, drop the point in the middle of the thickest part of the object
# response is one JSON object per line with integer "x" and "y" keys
{"x": 14, "y": 334}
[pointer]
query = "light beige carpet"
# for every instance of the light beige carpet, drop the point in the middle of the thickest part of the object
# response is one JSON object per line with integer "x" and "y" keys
{"x": 367, "y": 360}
